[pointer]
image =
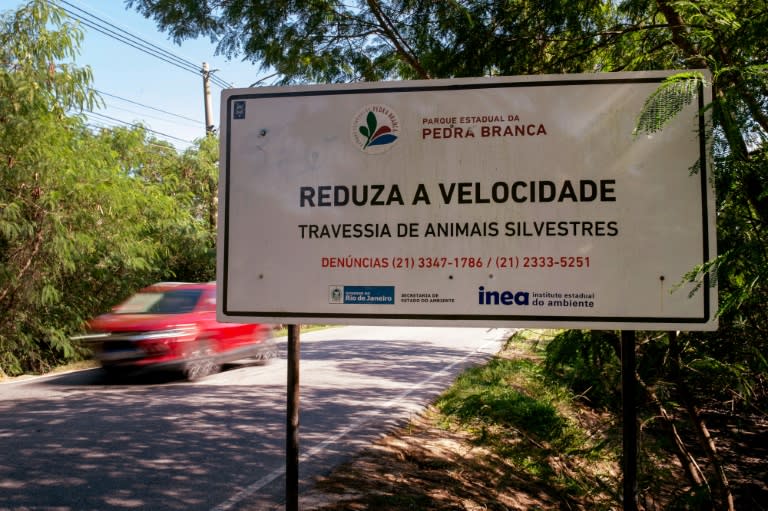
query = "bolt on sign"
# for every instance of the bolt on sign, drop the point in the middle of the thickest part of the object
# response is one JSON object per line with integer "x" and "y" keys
{"x": 505, "y": 201}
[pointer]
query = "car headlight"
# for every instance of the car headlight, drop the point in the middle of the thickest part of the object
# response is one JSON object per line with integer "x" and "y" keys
{"x": 90, "y": 337}
{"x": 179, "y": 331}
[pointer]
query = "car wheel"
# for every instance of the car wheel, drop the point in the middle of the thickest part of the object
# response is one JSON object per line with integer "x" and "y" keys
{"x": 269, "y": 351}
{"x": 267, "y": 357}
{"x": 201, "y": 361}
{"x": 113, "y": 374}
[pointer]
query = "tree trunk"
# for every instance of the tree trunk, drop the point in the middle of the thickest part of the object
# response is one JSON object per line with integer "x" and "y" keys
{"x": 692, "y": 470}
{"x": 702, "y": 432}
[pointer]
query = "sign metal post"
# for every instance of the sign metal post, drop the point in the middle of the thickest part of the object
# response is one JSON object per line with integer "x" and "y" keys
{"x": 629, "y": 419}
{"x": 292, "y": 422}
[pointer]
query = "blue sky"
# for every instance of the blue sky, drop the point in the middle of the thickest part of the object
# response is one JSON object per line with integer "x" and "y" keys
{"x": 123, "y": 71}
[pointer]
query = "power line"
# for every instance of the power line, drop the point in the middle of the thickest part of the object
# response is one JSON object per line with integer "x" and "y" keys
{"x": 197, "y": 121}
{"x": 136, "y": 42}
{"x": 96, "y": 125}
{"x": 100, "y": 125}
{"x": 113, "y": 31}
{"x": 125, "y": 37}
{"x": 128, "y": 38}
{"x": 133, "y": 124}
{"x": 145, "y": 115}
{"x": 137, "y": 45}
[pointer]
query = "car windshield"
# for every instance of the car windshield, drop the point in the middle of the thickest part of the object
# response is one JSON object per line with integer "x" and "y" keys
{"x": 177, "y": 301}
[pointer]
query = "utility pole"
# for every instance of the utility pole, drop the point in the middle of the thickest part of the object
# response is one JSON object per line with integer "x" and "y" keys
{"x": 207, "y": 98}
{"x": 213, "y": 211}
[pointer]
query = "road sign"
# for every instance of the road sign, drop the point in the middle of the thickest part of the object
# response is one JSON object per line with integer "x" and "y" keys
{"x": 521, "y": 201}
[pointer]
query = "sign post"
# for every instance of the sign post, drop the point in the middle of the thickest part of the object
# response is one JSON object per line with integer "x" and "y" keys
{"x": 292, "y": 421}
{"x": 629, "y": 420}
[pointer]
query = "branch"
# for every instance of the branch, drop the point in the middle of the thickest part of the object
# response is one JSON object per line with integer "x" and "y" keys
{"x": 12, "y": 289}
{"x": 687, "y": 461}
{"x": 678, "y": 28}
{"x": 391, "y": 33}
{"x": 700, "y": 427}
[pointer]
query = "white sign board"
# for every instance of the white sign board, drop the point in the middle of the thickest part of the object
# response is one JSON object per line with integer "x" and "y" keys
{"x": 516, "y": 201}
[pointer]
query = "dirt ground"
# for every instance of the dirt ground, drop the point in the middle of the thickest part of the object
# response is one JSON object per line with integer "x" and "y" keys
{"x": 426, "y": 467}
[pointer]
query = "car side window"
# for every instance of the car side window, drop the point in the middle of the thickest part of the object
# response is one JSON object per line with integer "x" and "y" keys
{"x": 208, "y": 303}
{"x": 176, "y": 302}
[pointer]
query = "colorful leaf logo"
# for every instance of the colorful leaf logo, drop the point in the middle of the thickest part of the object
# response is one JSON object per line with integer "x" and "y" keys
{"x": 374, "y": 136}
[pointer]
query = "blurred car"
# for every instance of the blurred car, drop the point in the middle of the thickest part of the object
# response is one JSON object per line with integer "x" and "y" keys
{"x": 173, "y": 326}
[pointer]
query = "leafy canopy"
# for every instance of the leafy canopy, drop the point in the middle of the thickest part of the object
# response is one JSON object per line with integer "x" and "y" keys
{"x": 85, "y": 217}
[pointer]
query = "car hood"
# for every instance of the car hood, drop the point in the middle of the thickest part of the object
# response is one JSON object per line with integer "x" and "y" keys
{"x": 138, "y": 322}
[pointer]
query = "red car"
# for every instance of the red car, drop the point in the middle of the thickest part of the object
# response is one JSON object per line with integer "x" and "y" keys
{"x": 173, "y": 326}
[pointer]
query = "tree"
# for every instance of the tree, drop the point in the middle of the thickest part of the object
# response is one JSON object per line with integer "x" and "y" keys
{"x": 337, "y": 41}
{"x": 35, "y": 96}
{"x": 199, "y": 179}
{"x": 78, "y": 228}
{"x": 190, "y": 182}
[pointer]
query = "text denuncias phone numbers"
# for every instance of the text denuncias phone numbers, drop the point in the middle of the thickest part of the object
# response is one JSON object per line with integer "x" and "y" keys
{"x": 531, "y": 262}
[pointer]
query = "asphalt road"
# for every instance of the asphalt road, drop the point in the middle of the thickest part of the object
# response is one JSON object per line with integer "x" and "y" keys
{"x": 76, "y": 442}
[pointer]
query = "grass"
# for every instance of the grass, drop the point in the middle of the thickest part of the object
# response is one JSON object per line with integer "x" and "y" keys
{"x": 512, "y": 408}
{"x": 504, "y": 436}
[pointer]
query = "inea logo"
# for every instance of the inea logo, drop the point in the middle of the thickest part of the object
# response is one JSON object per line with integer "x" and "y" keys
{"x": 502, "y": 297}
{"x": 375, "y": 128}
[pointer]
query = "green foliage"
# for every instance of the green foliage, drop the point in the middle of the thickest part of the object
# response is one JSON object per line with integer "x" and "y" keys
{"x": 585, "y": 361}
{"x": 517, "y": 412}
{"x": 85, "y": 218}
{"x": 510, "y": 393}
{"x": 486, "y": 394}
{"x": 335, "y": 41}
{"x": 668, "y": 100}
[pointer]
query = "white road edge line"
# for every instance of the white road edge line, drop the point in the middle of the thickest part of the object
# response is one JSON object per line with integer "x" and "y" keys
{"x": 261, "y": 483}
